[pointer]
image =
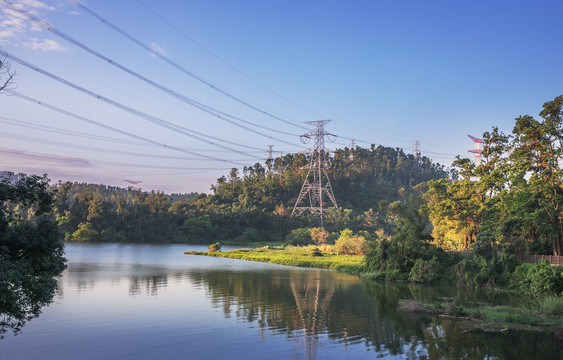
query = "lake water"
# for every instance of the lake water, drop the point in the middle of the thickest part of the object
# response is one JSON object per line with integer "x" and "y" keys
{"x": 152, "y": 302}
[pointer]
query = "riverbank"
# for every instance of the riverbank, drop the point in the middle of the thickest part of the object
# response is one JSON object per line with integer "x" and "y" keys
{"x": 540, "y": 315}
{"x": 307, "y": 256}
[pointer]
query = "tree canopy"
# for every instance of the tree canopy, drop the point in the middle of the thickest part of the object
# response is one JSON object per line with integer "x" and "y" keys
{"x": 31, "y": 249}
{"x": 513, "y": 196}
{"x": 248, "y": 205}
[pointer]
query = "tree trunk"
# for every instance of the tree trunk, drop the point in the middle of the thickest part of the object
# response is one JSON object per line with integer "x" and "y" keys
{"x": 465, "y": 236}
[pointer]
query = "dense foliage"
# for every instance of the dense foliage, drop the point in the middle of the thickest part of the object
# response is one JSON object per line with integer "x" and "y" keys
{"x": 254, "y": 206}
{"x": 31, "y": 249}
{"x": 513, "y": 198}
{"x": 509, "y": 202}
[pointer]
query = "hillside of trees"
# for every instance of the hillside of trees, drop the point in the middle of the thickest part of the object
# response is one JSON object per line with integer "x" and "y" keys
{"x": 247, "y": 205}
{"x": 511, "y": 200}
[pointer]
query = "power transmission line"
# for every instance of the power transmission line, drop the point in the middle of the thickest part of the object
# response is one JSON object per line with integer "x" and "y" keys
{"x": 177, "y": 128}
{"x": 29, "y": 125}
{"x": 110, "y": 163}
{"x": 223, "y": 60}
{"x": 22, "y": 123}
{"x": 107, "y": 127}
{"x": 198, "y": 105}
{"x": 182, "y": 69}
{"x": 36, "y": 140}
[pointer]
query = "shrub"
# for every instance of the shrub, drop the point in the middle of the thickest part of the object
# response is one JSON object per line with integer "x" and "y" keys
{"x": 215, "y": 247}
{"x": 350, "y": 244}
{"x": 332, "y": 237}
{"x": 299, "y": 237}
{"x": 424, "y": 271}
{"x": 466, "y": 271}
{"x": 319, "y": 235}
{"x": 477, "y": 271}
{"x": 326, "y": 248}
{"x": 540, "y": 279}
{"x": 316, "y": 252}
{"x": 552, "y": 306}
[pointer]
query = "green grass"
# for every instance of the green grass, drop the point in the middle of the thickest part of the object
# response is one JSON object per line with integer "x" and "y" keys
{"x": 306, "y": 256}
{"x": 552, "y": 306}
{"x": 545, "y": 315}
{"x": 506, "y": 315}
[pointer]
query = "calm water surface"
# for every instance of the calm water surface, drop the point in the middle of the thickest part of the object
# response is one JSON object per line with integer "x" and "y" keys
{"x": 153, "y": 302}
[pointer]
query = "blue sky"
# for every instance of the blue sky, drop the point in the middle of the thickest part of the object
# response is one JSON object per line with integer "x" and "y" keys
{"x": 384, "y": 72}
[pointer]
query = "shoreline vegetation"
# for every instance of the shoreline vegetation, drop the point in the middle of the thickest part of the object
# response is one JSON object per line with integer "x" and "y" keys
{"x": 542, "y": 311}
{"x": 540, "y": 315}
{"x": 300, "y": 256}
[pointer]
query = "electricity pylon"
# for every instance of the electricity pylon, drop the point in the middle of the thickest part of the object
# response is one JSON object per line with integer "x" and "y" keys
{"x": 477, "y": 150}
{"x": 270, "y": 158}
{"x": 416, "y": 150}
{"x": 313, "y": 187}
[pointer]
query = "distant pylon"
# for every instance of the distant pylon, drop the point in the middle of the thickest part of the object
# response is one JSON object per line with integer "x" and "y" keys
{"x": 416, "y": 150}
{"x": 270, "y": 151}
{"x": 133, "y": 182}
{"x": 313, "y": 187}
{"x": 477, "y": 149}
{"x": 269, "y": 159}
{"x": 352, "y": 147}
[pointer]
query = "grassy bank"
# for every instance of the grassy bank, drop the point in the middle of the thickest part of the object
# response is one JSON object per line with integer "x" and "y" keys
{"x": 541, "y": 314}
{"x": 302, "y": 256}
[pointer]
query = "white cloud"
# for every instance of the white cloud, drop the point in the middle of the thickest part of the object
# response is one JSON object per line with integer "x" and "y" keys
{"x": 158, "y": 49}
{"x": 7, "y": 34}
{"x": 13, "y": 21}
{"x": 43, "y": 44}
{"x": 34, "y": 27}
{"x": 35, "y": 4}
{"x": 16, "y": 30}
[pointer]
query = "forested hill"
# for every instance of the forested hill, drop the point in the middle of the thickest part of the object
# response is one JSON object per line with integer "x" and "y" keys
{"x": 250, "y": 204}
{"x": 360, "y": 179}
{"x": 128, "y": 194}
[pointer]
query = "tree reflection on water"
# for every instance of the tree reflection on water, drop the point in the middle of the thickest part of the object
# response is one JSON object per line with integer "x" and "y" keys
{"x": 319, "y": 306}
{"x": 22, "y": 296}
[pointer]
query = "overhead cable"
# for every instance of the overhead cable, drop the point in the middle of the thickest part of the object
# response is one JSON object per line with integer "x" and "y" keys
{"x": 107, "y": 127}
{"x": 223, "y": 60}
{"x": 86, "y": 162}
{"x": 36, "y": 140}
{"x": 26, "y": 124}
{"x": 179, "y": 129}
{"x": 205, "y": 108}
{"x": 29, "y": 125}
{"x": 179, "y": 67}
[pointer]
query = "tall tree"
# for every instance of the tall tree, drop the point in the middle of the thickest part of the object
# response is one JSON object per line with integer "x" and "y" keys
{"x": 537, "y": 160}
{"x": 461, "y": 208}
{"x": 31, "y": 249}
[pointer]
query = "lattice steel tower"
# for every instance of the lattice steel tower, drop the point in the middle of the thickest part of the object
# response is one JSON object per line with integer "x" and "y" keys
{"x": 313, "y": 187}
{"x": 416, "y": 150}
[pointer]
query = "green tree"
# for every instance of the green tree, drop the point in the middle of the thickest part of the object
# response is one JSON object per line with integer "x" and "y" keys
{"x": 537, "y": 159}
{"x": 319, "y": 235}
{"x": 31, "y": 249}
{"x": 350, "y": 244}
